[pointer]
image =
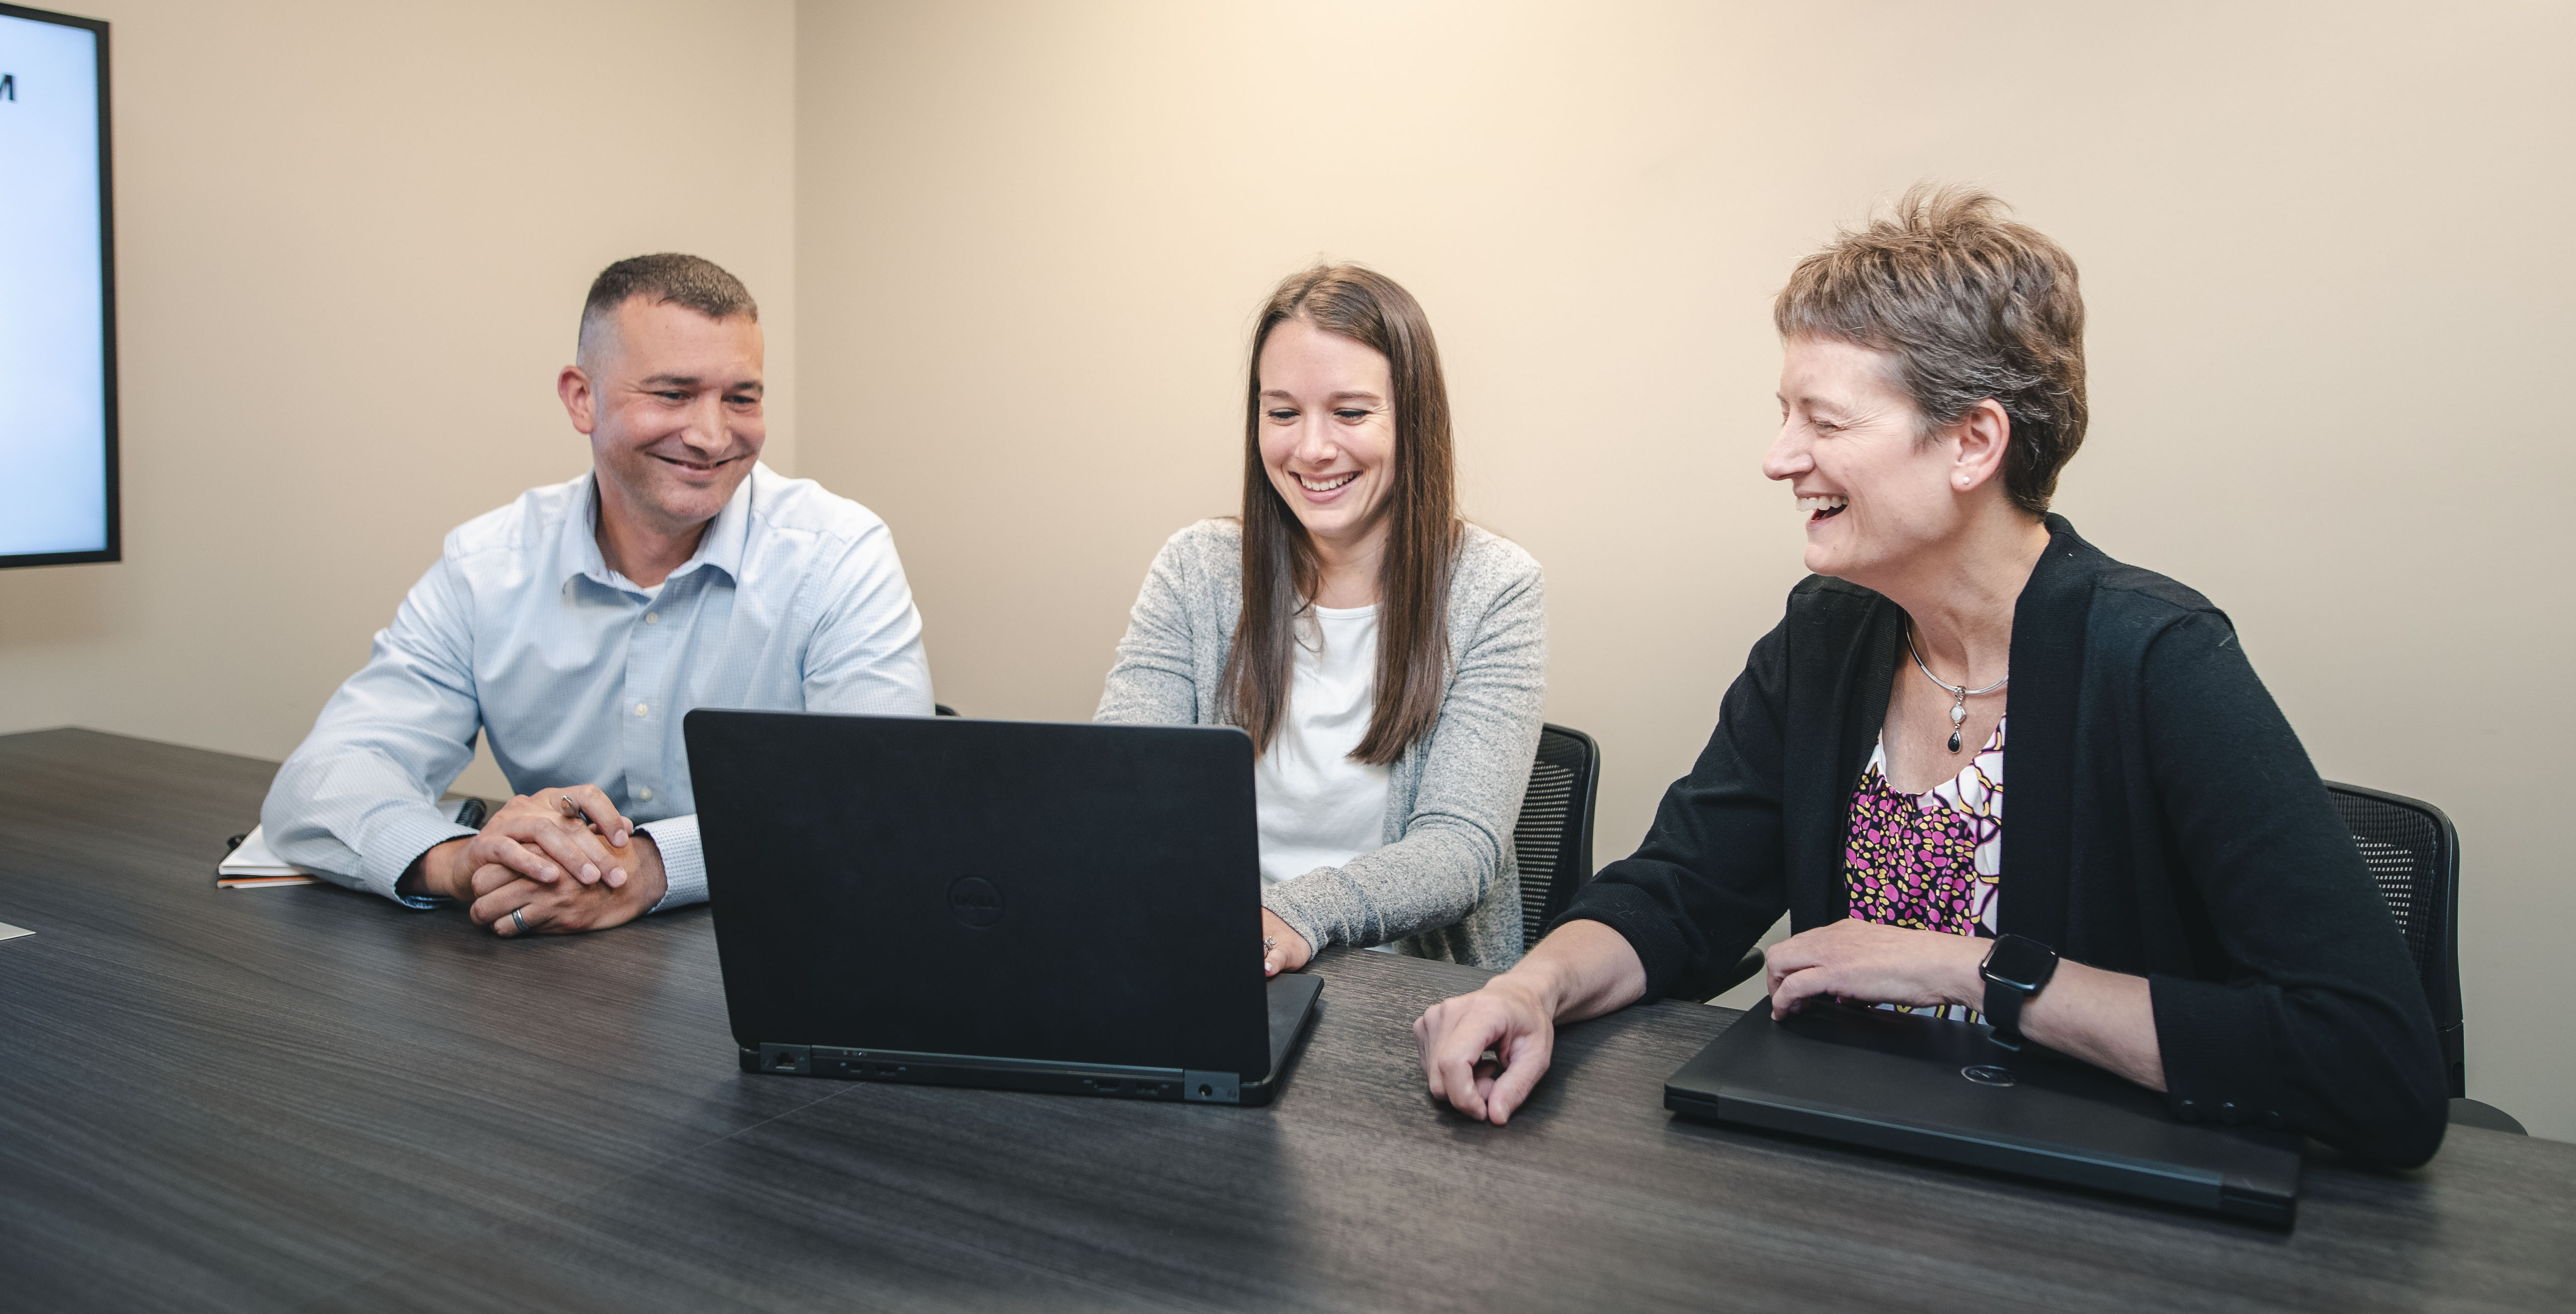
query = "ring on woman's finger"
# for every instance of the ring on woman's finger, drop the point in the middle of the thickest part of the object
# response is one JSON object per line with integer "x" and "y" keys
{"x": 518, "y": 918}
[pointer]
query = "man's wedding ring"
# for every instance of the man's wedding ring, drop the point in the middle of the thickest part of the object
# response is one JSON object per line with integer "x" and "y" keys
{"x": 518, "y": 918}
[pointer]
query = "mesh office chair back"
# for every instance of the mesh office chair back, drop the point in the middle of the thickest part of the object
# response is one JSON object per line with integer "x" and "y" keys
{"x": 2413, "y": 852}
{"x": 1553, "y": 837}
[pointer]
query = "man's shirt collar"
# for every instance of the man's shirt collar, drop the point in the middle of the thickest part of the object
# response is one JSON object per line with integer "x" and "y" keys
{"x": 721, "y": 547}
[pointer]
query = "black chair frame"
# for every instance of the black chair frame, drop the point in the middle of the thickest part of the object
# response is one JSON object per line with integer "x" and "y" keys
{"x": 1552, "y": 839}
{"x": 2413, "y": 853}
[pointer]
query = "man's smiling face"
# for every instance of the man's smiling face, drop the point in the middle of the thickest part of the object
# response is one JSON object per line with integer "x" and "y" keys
{"x": 671, "y": 401}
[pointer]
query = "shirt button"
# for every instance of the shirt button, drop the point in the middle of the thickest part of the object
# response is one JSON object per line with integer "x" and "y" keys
{"x": 652, "y": 618}
{"x": 646, "y": 793}
{"x": 2227, "y": 1112}
{"x": 640, "y": 709}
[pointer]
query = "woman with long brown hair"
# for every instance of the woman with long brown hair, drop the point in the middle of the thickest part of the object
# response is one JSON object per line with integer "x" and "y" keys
{"x": 1387, "y": 658}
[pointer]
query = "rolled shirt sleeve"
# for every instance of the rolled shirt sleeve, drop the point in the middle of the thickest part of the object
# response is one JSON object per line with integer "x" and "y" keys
{"x": 358, "y": 800}
{"x": 2321, "y": 1023}
{"x": 684, "y": 863}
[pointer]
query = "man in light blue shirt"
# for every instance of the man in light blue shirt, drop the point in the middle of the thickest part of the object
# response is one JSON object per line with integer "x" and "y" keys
{"x": 576, "y": 626}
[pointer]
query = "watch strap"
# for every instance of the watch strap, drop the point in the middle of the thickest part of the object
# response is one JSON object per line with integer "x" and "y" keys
{"x": 2008, "y": 987}
{"x": 2003, "y": 1014}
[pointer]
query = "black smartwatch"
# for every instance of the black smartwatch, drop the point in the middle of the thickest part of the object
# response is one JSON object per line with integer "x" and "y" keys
{"x": 2017, "y": 968}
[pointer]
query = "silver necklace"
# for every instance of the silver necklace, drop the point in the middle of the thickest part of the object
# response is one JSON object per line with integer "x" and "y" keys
{"x": 1959, "y": 693}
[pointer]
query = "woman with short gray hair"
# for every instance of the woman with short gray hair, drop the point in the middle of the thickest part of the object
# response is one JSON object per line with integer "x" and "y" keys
{"x": 2174, "y": 900}
{"x": 1387, "y": 658}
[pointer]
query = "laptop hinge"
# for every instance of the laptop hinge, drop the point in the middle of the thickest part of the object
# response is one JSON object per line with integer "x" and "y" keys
{"x": 1211, "y": 1088}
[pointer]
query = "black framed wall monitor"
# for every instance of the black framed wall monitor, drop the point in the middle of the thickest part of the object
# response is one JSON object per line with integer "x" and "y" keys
{"x": 58, "y": 503}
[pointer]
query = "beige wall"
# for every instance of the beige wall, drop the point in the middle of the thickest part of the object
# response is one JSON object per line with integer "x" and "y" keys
{"x": 352, "y": 242}
{"x": 2324, "y": 251}
{"x": 2323, "y": 248}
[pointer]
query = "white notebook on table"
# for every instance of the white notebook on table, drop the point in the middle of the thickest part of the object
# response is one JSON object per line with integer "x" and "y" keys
{"x": 253, "y": 865}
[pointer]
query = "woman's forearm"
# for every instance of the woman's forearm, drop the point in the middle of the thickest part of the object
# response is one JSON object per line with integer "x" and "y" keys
{"x": 1584, "y": 969}
{"x": 2107, "y": 1019}
{"x": 1434, "y": 877}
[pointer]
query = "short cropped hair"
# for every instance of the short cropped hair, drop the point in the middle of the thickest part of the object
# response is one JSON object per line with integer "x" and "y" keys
{"x": 1972, "y": 305}
{"x": 668, "y": 278}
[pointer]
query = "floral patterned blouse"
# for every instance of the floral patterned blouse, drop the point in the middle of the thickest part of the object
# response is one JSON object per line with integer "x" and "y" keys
{"x": 1931, "y": 860}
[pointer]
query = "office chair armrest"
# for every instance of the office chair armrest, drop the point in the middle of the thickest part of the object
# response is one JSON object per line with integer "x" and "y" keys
{"x": 1745, "y": 969}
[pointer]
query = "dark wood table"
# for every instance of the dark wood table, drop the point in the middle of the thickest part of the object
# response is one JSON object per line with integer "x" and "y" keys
{"x": 309, "y": 1097}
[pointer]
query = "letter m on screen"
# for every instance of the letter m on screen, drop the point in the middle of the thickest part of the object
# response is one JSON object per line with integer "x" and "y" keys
{"x": 8, "y": 86}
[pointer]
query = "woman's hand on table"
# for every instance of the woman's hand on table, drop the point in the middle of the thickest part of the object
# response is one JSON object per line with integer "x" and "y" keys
{"x": 1282, "y": 950}
{"x": 1868, "y": 963}
{"x": 1484, "y": 1051}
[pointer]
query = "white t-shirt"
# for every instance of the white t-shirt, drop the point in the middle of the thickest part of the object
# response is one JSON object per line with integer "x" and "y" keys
{"x": 1319, "y": 808}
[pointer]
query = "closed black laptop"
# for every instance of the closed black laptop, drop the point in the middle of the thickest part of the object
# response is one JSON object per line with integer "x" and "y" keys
{"x": 1919, "y": 1085}
{"x": 1048, "y": 907}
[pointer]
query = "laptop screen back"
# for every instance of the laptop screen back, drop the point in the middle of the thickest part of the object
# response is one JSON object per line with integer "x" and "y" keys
{"x": 1074, "y": 893}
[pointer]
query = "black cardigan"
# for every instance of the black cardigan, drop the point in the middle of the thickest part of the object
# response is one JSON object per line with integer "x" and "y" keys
{"x": 2163, "y": 822}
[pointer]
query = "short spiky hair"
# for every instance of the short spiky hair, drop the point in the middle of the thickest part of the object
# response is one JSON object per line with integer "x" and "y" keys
{"x": 668, "y": 278}
{"x": 1972, "y": 305}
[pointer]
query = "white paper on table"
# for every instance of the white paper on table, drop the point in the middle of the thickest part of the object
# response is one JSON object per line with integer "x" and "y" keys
{"x": 8, "y": 932}
{"x": 253, "y": 858}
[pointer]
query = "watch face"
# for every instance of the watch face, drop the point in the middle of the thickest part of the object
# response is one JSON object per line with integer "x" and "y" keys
{"x": 2018, "y": 962}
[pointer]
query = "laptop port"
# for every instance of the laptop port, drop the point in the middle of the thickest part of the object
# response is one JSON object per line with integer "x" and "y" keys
{"x": 1222, "y": 1087}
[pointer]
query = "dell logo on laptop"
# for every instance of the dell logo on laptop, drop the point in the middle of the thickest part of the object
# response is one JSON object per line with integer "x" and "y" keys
{"x": 1985, "y": 1075}
{"x": 975, "y": 901}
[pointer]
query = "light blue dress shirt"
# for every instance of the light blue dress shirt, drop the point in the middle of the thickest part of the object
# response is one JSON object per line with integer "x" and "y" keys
{"x": 577, "y": 675}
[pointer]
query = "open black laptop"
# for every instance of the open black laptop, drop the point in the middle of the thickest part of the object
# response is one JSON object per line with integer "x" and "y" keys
{"x": 1047, "y": 907}
{"x": 1919, "y": 1085}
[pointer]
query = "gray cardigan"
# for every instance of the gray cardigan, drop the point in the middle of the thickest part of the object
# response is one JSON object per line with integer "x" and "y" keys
{"x": 1446, "y": 885}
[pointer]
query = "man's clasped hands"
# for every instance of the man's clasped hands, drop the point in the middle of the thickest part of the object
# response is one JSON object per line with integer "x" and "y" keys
{"x": 558, "y": 859}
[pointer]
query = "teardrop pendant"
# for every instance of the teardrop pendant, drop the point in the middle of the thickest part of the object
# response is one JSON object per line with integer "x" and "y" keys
{"x": 1959, "y": 693}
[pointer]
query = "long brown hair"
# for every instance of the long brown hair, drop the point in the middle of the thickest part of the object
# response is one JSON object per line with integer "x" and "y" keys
{"x": 1280, "y": 569}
